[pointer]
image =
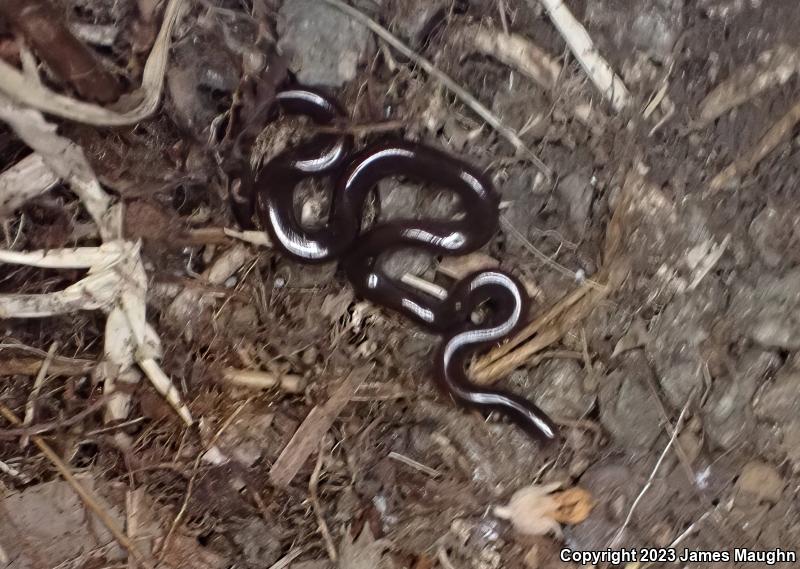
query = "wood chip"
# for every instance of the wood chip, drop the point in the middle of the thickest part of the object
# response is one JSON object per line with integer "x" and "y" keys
{"x": 308, "y": 436}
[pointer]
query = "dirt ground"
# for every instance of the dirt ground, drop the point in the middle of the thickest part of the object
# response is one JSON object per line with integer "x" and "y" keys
{"x": 665, "y": 286}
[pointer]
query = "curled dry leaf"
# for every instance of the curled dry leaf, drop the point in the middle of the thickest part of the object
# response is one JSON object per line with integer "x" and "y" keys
{"x": 538, "y": 510}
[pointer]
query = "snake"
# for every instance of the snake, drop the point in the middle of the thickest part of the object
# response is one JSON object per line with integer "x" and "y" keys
{"x": 264, "y": 198}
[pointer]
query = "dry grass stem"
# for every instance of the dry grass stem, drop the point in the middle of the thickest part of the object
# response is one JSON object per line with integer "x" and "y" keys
{"x": 30, "y": 407}
{"x": 779, "y": 132}
{"x": 432, "y": 472}
{"x": 465, "y": 96}
{"x": 313, "y": 497}
{"x": 582, "y": 47}
{"x": 773, "y": 68}
{"x": 515, "y": 51}
{"x": 615, "y": 542}
{"x": 88, "y": 499}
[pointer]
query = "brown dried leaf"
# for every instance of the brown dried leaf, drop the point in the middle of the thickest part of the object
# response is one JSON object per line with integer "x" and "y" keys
{"x": 574, "y": 505}
{"x": 536, "y": 510}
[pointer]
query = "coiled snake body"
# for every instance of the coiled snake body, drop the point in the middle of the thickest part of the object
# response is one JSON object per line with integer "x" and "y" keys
{"x": 269, "y": 193}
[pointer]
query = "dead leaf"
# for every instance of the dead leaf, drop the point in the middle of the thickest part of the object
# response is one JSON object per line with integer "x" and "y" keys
{"x": 365, "y": 552}
{"x": 537, "y": 510}
{"x": 574, "y": 505}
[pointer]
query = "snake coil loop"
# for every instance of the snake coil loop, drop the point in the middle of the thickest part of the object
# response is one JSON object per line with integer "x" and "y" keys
{"x": 269, "y": 193}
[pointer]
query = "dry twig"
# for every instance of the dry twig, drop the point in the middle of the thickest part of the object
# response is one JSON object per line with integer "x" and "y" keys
{"x": 256, "y": 379}
{"x": 516, "y": 51}
{"x": 583, "y": 49}
{"x": 779, "y": 132}
{"x": 673, "y": 437}
{"x": 574, "y": 307}
{"x": 30, "y": 407}
{"x": 309, "y": 434}
{"x": 313, "y": 497}
{"x": 91, "y": 502}
{"x": 773, "y": 68}
{"x": 466, "y": 97}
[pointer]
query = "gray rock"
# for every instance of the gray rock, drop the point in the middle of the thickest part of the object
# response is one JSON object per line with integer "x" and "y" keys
{"x": 761, "y": 482}
{"x": 653, "y": 26}
{"x": 791, "y": 444}
{"x": 398, "y": 200}
{"x": 576, "y": 193}
{"x": 557, "y": 387}
{"x": 774, "y": 234}
{"x": 656, "y": 27}
{"x": 727, "y": 415}
{"x": 627, "y": 407}
{"x": 47, "y": 525}
{"x": 678, "y": 334}
{"x": 417, "y": 18}
{"x": 780, "y": 401}
{"x": 324, "y": 45}
{"x": 412, "y": 261}
{"x": 763, "y": 230}
{"x": 769, "y": 312}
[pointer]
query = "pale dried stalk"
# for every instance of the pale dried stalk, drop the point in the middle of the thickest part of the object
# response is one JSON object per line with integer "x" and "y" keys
{"x": 25, "y": 180}
{"x": 516, "y": 51}
{"x": 779, "y": 132}
{"x": 106, "y": 254}
{"x": 774, "y": 68}
{"x": 256, "y": 379}
{"x": 11, "y": 471}
{"x": 429, "y": 288}
{"x": 64, "y": 158}
{"x": 582, "y": 47}
{"x": 94, "y": 292}
{"x": 16, "y": 85}
{"x": 117, "y": 281}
